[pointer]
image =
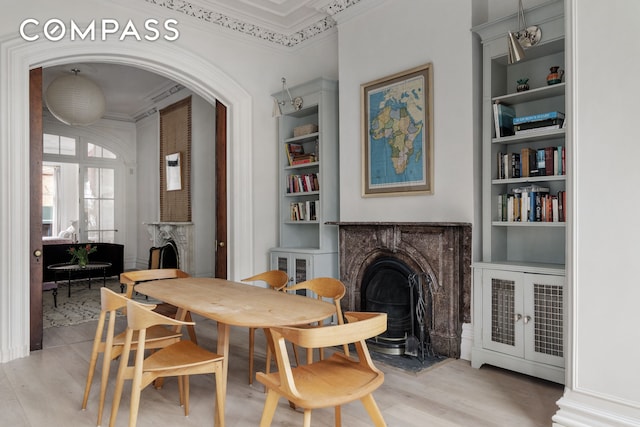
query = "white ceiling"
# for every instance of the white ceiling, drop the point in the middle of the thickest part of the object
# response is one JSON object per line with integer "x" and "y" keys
{"x": 131, "y": 92}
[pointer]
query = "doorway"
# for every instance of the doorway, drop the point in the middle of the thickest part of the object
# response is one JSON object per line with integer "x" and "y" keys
{"x": 171, "y": 60}
{"x": 98, "y": 201}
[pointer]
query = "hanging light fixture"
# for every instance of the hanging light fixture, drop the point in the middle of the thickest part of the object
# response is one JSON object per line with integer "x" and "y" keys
{"x": 296, "y": 102}
{"x": 75, "y": 100}
{"x": 523, "y": 38}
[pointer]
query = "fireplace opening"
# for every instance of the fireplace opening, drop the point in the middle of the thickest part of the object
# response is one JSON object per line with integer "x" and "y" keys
{"x": 165, "y": 256}
{"x": 385, "y": 288}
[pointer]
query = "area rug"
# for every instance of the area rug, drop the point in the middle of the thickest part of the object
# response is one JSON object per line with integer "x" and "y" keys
{"x": 82, "y": 306}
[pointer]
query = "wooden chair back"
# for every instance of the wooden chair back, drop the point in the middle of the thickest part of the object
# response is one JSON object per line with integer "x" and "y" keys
{"x": 316, "y": 385}
{"x": 131, "y": 278}
{"x": 360, "y": 326}
{"x": 325, "y": 287}
{"x": 276, "y": 279}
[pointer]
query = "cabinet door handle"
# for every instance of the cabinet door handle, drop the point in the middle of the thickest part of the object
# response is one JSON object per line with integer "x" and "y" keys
{"x": 526, "y": 319}
{"x": 517, "y": 317}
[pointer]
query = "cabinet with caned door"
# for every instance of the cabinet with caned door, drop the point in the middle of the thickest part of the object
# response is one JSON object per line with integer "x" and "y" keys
{"x": 521, "y": 320}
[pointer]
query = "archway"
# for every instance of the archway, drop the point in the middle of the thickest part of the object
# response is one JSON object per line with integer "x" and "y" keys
{"x": 173, "y": 61}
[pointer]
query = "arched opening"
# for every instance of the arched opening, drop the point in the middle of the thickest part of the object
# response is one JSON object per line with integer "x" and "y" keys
{"x": 176, "y": 63}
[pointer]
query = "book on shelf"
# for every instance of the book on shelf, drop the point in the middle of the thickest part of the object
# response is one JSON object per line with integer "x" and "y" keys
{"x": 302, "y": 183}
{"x": 304, "y": 211}
{"x": 519, "y": 130}
{"x": 508, "y": 165}
{"x": 297, "y": 155}
{"x": 550, "y": 115}
{"x": 531, "y": 204}
{"x": 530, "y": 162}
{"x": 503, "y": 119}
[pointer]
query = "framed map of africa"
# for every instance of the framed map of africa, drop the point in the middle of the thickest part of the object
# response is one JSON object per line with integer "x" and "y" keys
{"x": 397, "y": 134}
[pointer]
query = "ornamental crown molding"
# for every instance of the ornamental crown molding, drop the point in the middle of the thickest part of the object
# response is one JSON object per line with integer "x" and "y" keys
{"x": 292, "y": 39}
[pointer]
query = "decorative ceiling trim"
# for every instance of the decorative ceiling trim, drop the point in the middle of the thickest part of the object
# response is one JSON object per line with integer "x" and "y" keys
{"x": 246, "y": 28}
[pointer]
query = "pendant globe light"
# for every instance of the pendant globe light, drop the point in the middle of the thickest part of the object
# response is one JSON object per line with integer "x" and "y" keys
{"x": 75, "y": 100}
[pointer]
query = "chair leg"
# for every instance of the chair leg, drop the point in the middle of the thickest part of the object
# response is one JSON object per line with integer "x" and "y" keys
{"x": 338, "y": 422}
{"x": 94, "y": 359}
{"x": 117, "y": 394}
{"x": 295, "y": 354}
{"x": 252, "y": 336}
{"x": 374, "y": 412}
{"x": 135, "y": 402}
{"x": 186, "y": 394}
{"x": 219, "y": 415}
{"x": 191, "y": 329}
{"x": 307, "y": 418}
{"x": 181, "y": 390}
{"x": 270, "y": 405}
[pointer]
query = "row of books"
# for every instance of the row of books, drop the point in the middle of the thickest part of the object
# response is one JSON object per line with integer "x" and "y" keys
{"x": 507, "y": 123}
{"x": 532, "y": 204}
{"x": 302, "y": 183}
{"x": 547, "y": 161}
{"x": 305, "y": 211}
{"x": 538, "y": 122}
{"x": 298, "y": 154}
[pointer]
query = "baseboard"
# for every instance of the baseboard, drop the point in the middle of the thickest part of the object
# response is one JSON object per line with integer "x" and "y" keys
{"x": 466, "y": 342}
{"x": 582, "y": 410}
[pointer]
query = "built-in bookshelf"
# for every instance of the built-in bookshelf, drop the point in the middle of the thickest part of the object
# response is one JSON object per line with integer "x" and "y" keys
{"x": 308, "y": 183}
{"x": 519, "y": 281}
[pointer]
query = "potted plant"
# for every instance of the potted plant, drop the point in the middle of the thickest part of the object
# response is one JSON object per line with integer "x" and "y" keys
{"x": 80, "y": 255}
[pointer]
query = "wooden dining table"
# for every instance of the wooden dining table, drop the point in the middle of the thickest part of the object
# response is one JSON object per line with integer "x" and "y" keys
{"x": 235, "y": 304}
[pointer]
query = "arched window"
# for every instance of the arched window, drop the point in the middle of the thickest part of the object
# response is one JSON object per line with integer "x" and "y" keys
{"x": 79, "y": 189}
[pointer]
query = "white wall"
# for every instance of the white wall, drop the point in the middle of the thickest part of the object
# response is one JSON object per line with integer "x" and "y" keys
{"x": 603, "y": 379}
{"x": 393, "y": 37}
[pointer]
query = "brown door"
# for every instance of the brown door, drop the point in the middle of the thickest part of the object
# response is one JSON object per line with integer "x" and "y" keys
{"x": 35, "y": 206}
{"x": 221, "y": 191}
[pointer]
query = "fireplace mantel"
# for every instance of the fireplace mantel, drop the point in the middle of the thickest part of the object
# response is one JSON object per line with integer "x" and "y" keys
{"x": 440, "y": 249}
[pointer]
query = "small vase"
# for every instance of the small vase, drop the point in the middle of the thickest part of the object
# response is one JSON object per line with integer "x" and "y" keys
{"x": 82, "y": 263}
{"x": 555, "y": 76}
{"x": 523, "y": 84}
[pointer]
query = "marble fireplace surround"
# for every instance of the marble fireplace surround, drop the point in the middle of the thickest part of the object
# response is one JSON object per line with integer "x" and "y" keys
{"x": 181, "y": 233}
{"x": 441, "y": 249}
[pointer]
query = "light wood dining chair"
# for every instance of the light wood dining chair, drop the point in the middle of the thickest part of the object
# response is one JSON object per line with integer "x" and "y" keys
{"x": 132, "y": 278}
{"x": 323, "y": 287}
{"x": 112, "y": 346}
{"x": 277, "y": 280}
{"x": 330, "y": 382}
{"x": 180, "y": 359}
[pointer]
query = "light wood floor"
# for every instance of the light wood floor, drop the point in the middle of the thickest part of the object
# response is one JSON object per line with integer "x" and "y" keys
{"x": 45, "y": 389}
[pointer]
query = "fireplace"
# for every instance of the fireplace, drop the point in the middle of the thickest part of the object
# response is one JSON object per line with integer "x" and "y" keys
{"x": 385, "y": 288}
{"x": 178, "y": 233}
{"x": 376, "y": 260}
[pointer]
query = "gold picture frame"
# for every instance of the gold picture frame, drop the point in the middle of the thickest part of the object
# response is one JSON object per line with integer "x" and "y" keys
{"x": 397, "y": 133}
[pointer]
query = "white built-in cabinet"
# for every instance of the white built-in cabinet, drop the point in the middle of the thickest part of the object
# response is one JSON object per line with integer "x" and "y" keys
{"x": 521, "y": 321}
{"x": 308, "y": 191}
{"x": 519, "y": 283}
